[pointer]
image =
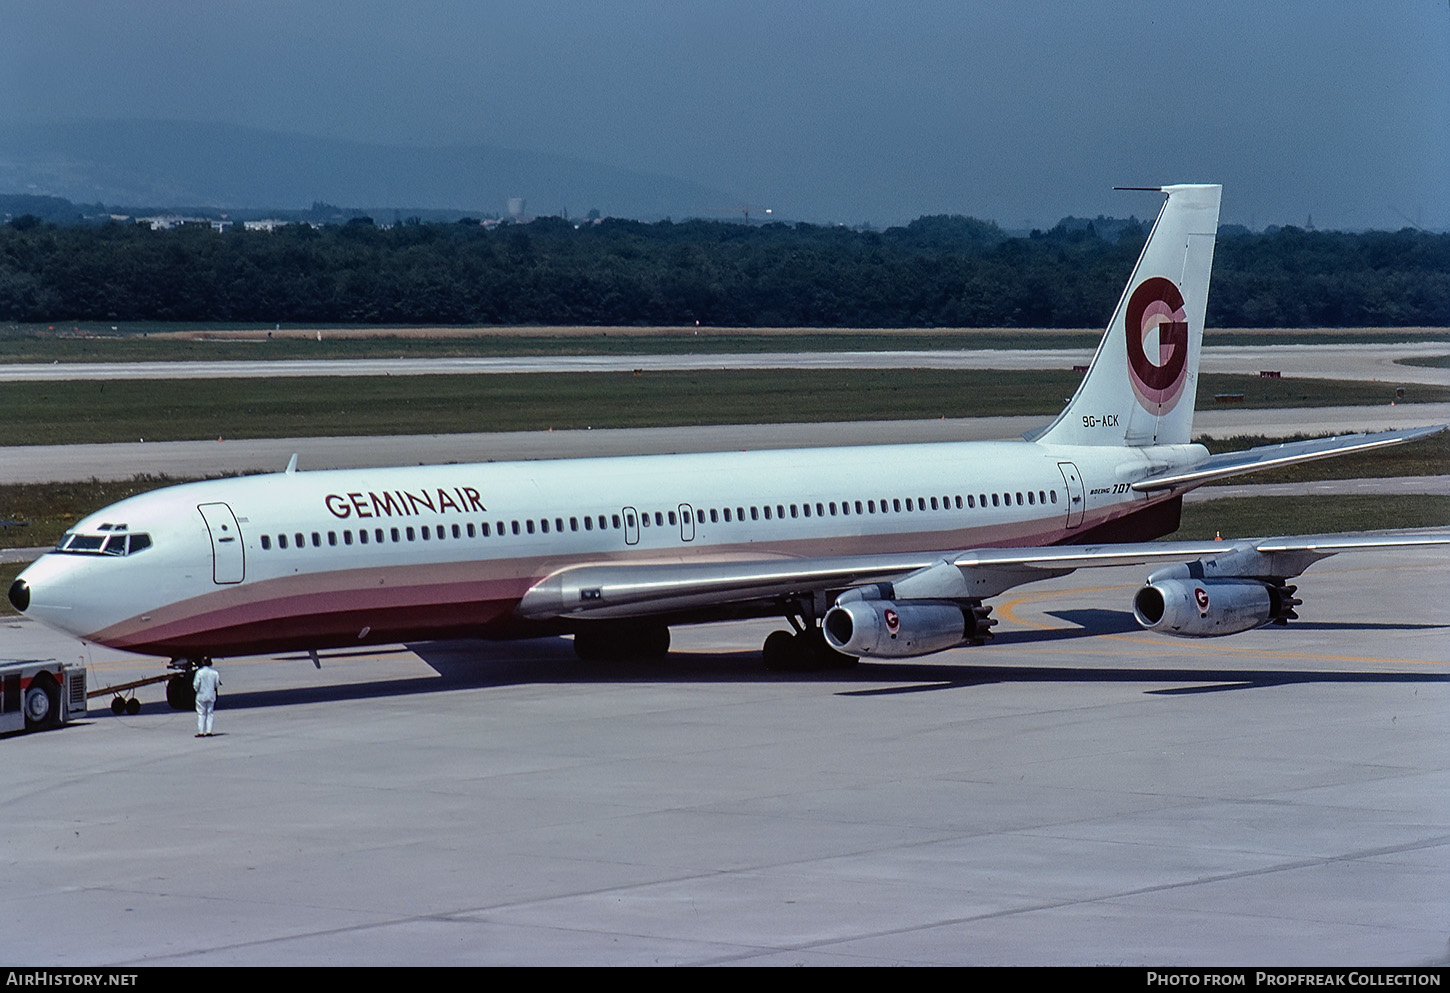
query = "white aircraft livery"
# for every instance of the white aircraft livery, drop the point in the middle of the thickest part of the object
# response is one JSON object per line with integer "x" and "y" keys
{"x": 885, "y": 551}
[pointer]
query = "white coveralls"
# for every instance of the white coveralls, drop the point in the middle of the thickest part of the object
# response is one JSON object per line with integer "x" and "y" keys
{"x": 205, "y": 683}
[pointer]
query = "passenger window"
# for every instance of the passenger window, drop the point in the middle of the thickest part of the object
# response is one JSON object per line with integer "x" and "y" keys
{"x": 755, "y": 513}
{"x": 767, "y": 512}
{"x": 410, "y": 534}
{"x": 302, "y": 541}
{"x": 458, "y": 532}
{"x": 362, "y": 537}
{"x": 573, "y": 524}
{"x": 471, "y": 532}
{"x": 588, "y": 524}
{"x": 281, "y": 541}
{"x": 425, "y": 532}
{"x": 266, "y": 543}
{"x": 347, "y": 537}
{"x": 543, "y": 526}
{"x": 516, "y": 527}
{"x": 672, "y": 518}
{"x": 395, "y": 534}
{"x": 529, "y": 526}
{"x": 996, "y": 500}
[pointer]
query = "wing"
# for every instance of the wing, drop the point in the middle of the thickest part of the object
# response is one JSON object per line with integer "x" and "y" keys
{"x": 696, "y": 590}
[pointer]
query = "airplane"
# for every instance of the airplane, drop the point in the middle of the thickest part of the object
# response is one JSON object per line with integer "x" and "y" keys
{"x": 874, "y": 551}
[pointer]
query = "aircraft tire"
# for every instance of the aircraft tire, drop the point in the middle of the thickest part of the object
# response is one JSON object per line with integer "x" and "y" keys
{"x": 622, "y": 643}
{"x": 42, "y": 704}
{"x": 118, "y": 706}
{"x": 652, "y": 641}
{"x": 780, "y": 651}
{"x": 180, "y": 693}
{"x": 133, "y": 706}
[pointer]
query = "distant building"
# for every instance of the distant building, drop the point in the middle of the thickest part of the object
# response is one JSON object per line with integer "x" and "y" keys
{"x": 165, "y": 222}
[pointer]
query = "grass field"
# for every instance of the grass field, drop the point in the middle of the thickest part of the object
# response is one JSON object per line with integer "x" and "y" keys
{"x": 74, "y": 412}
{"x": 1430, "y": 361}
{"x": 91, "y": 342}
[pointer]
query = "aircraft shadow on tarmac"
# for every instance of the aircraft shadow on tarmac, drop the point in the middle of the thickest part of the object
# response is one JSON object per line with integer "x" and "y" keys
{"x": 469, "y": 664}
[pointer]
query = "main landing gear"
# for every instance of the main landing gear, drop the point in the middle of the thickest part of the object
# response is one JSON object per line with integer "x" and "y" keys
{"x": 181, "y": 688}
{"x": 606, "y": 641}
{"x": 806, "y": 649}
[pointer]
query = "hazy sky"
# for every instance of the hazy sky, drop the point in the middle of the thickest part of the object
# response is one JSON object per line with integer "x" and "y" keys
{"x": 1019, "y": 111}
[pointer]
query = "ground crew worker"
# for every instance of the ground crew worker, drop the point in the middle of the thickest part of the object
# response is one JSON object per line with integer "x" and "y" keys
{"x": 205, "y": 683}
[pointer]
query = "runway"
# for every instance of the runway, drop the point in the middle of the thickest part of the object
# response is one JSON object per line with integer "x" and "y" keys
{"x": 1077, "y": 792}
{"x": 1331, "y": 361}
{"x": 184, "y": 459}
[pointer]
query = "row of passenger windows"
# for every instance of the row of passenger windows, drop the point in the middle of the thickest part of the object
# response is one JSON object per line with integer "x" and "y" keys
{"x": 658, "y": 518}
{"x": 893, "y": 505}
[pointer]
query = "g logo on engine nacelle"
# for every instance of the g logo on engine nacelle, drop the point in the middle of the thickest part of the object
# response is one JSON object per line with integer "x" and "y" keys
{"x": 1156, "y": 305}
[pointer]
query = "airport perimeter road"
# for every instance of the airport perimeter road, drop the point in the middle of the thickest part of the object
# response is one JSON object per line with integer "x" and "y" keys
{"x": 1334, "y": 361}
{"x": 60, "y": 463}
{"x": 1077, "y": 792}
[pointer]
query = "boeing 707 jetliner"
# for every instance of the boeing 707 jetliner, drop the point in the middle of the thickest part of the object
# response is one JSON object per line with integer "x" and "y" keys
{"x": 881, "y": 551}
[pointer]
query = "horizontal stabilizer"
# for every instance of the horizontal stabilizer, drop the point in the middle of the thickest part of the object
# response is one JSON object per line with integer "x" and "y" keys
{"x": 1275, "y": 456}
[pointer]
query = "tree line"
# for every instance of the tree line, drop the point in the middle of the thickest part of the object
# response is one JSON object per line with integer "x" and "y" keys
{"x": 934, "y": 272}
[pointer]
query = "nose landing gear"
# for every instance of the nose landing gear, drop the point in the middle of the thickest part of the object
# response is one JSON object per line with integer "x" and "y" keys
{"x": 180, "y": 688}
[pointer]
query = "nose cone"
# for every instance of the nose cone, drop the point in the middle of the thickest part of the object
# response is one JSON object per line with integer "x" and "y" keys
{"x": 20, "y": 595}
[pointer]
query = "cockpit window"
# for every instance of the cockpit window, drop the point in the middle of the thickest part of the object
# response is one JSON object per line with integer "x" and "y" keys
{"x": 75, "y": 543}
{"x": 81, "y": 543}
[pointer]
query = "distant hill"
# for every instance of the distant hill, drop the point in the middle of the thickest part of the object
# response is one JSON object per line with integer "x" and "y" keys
{"x": 175, "y": 164}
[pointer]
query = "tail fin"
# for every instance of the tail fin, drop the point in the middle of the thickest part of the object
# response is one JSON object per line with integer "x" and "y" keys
{"x": 1140, "y": 387}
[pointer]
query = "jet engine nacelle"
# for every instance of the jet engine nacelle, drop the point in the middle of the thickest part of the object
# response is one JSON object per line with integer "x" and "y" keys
{"x": 1206, "y": 608}
{"x": 904, "y": 628}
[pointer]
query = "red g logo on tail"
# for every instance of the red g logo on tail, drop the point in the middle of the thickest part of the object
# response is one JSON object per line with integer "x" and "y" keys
{"x": 1157, "y": 306}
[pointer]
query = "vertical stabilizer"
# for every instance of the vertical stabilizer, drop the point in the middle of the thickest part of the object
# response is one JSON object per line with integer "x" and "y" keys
{"x": 1140, "y": 387}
